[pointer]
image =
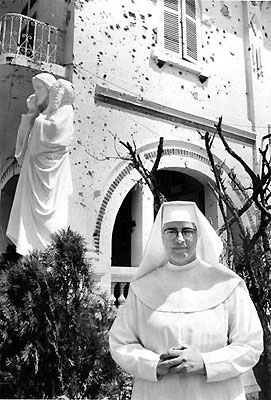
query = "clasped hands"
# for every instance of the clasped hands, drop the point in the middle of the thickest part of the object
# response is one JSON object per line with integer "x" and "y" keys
{"x": 183, "y": 359}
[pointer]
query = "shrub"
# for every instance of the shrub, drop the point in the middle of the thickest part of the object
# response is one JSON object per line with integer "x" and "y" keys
{"x": 54, "y": 323}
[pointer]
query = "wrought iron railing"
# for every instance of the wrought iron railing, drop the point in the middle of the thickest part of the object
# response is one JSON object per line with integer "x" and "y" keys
{"x": 26, "y": 36}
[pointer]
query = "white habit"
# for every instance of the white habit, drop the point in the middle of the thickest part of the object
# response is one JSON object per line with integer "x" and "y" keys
{"x": 201, "y": 304}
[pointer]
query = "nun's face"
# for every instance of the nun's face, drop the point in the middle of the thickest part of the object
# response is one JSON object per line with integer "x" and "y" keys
{"x": 180, "y": 241}
{"x": 41, "y": 92}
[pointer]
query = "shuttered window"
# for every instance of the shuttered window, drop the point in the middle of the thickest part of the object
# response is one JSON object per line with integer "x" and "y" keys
{"x": 180, "y": 29}
{"x": 172, "y": 26}
{"x": 189, "y": 31}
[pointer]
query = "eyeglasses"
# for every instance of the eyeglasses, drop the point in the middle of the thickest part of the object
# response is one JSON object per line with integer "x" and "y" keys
{"x": 172, "y": 233}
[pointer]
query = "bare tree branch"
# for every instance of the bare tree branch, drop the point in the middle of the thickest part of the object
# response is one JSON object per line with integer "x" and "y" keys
{"x": 249, "y": 171}
{"x": 149, "y": 177}
{"x": 160, "y": 151}
{"x": 258, "y": 194}
{"x": 208, "y": 143}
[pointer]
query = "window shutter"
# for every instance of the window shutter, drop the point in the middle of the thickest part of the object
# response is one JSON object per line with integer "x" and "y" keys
{"x": 172, "y": 26}
{"x": 189, "y": 30}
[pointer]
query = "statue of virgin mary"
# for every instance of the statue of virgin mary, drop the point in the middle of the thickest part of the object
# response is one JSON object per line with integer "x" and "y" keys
{"x": 40, "y": 205}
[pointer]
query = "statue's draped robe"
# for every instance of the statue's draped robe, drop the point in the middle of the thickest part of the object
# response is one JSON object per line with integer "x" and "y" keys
{"x": 40, "y": 206}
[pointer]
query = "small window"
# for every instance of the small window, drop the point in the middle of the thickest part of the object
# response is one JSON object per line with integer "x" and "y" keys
{"x": 179, "y": 30}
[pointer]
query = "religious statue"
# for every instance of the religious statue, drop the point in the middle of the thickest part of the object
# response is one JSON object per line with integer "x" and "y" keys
{"x": 40, "y": 205}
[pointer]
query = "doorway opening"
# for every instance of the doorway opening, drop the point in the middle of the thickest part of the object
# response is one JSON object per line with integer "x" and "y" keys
{"x": 121, "y": 238}
{"x": 176, "y": 185}
{"x": 129, "y": 225}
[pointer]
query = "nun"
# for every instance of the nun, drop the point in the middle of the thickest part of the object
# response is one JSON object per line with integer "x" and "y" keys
{"x": 188, "y": 329}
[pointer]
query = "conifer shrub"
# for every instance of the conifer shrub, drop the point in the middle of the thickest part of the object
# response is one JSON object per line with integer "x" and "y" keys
{"x": 54, "y": 323}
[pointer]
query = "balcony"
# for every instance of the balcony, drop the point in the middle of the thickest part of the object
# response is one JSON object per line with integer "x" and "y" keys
{"x": 24, "y": 40}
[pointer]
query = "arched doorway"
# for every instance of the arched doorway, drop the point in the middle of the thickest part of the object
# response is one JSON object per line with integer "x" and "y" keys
{"x": 177, "y": 185}
{"x": 121, "y": 237}
{"x": 128, "y": 226}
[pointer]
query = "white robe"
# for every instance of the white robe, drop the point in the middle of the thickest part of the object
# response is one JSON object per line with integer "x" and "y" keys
{"x": 228, "y": 335}
{"x": 40, "y": 206}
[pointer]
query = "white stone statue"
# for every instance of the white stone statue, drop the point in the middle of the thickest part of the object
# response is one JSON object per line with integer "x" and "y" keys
{"x": 40, "y": 205}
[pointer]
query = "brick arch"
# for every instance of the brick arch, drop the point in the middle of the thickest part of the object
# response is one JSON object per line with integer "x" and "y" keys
{"x": 8, "y": 184}
{"x": 179, "y": 151}
{"x": 124, "y": 172}
{"x": 10, "y": 170}
{"x": 193, "y": 152}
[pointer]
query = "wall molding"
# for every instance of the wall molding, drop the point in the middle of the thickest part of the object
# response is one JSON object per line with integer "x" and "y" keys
{"x": 108, "y": 97}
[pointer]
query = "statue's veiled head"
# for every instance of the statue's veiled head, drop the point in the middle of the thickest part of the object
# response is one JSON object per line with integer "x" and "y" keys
{"x": 42, "y": 84}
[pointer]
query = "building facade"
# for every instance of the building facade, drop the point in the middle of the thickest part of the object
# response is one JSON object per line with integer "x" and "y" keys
{"x": 142, "y": 69}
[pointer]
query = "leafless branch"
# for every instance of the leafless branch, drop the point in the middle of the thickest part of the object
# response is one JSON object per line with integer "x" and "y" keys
{"x": 208, "y": 143}
{"x": 229, "y": 150}
{"x": 257, "y": 195}
{"x": 160, "y": 151}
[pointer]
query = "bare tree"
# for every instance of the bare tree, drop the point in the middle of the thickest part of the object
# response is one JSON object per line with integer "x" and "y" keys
{"x": 149, "y": 177}
{"x": 249, "y": 252}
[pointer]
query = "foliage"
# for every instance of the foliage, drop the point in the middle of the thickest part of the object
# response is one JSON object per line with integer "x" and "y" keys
{"x": 252, "y": 264}
{"x": 54, "y": 323}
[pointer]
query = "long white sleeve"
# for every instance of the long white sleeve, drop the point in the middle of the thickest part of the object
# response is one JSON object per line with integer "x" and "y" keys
{"x": 125, "y": 345}
{"x": 245, "y": 338}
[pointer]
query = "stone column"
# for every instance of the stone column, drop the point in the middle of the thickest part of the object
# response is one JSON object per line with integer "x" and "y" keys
{"x": 142, "y": 214}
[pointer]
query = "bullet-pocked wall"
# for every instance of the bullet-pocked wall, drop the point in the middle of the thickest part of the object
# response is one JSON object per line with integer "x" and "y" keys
{"x": 135, "y": 81}
{"x": 126, "y": 91}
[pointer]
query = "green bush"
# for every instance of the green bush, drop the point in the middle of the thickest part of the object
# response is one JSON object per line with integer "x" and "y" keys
{"x": 54, "y": 323}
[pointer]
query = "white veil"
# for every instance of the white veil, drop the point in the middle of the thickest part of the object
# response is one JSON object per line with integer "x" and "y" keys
{"x": 209, "y": 245}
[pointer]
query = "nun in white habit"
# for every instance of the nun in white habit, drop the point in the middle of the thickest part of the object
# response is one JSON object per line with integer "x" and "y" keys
{"x": 188, "y": 329}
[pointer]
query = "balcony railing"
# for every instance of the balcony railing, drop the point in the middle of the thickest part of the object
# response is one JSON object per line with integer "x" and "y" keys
{"x": 28, "y": 37}
{"x": 120, "y": 281}
{"x": 119, "y": 291}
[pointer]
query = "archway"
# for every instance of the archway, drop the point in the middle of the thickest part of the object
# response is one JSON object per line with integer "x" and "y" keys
{"x": 178, "y": 157}
{"x": 128, "y": 226}
{"x": 177, "y": 185}
{"x": 121, "y": 236}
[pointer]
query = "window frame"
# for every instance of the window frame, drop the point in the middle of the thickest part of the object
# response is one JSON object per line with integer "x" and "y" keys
{"x": 182, "y": 57}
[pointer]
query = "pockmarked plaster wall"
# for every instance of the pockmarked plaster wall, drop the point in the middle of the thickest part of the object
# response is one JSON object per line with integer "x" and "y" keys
{"x": 114, "y": 47}
{"x": 116, "y": 44}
